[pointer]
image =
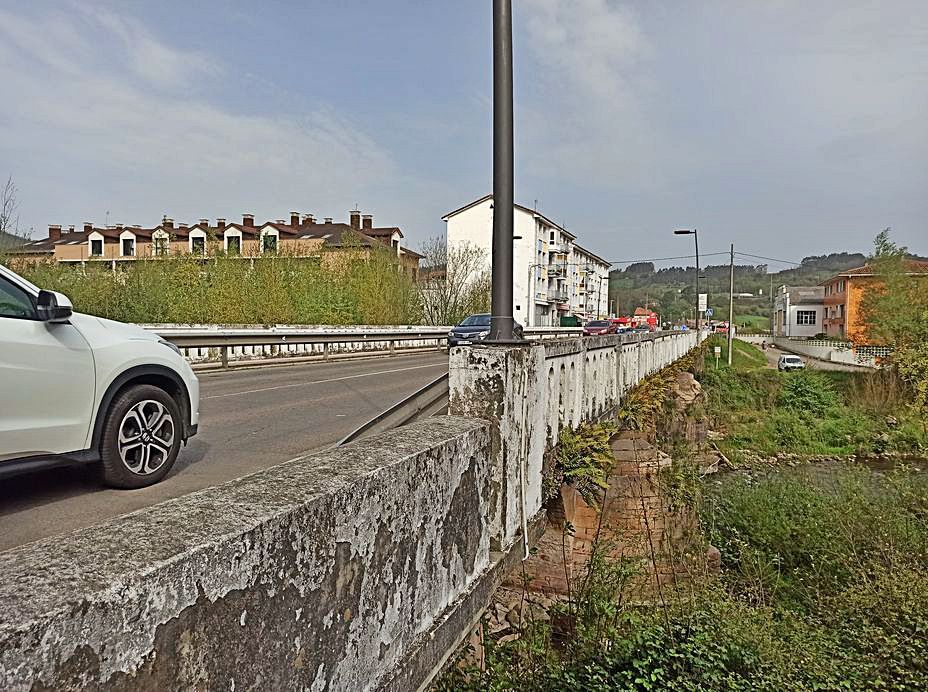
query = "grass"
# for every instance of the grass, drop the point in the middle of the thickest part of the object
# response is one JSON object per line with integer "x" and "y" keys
{"x": 755, "y": 323}
{"x": 812, "y": 412}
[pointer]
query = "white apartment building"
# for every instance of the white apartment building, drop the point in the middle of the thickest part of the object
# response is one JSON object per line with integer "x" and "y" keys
{"x": 799, "y": 311}
{"x": 552, "y": 275}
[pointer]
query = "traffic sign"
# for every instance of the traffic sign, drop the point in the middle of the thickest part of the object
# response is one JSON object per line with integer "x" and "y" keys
{"x": 709, "y": 312}
{"x": 703, "y": 301}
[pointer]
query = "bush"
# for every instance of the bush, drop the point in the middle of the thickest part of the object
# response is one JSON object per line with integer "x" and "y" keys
{"x": 807, "y": 392}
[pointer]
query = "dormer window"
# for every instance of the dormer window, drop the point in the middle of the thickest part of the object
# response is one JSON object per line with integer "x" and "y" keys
{"x": 197, "y": 240}
{"x": 159, "y": 242}
{"x": 127, "y": 244}
{"x": 96, "y": 247}
{"x": 269, "y": 241}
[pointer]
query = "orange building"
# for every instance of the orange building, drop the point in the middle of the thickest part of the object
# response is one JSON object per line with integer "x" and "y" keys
{"x": 844, "y": 294}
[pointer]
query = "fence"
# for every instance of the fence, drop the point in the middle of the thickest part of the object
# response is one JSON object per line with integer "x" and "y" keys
{"x": 221, "y": 344}
{"x": 843, "y": 352}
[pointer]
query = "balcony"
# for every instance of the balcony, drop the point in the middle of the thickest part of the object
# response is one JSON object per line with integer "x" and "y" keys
{"x": 557, "y": 296}
{"x": 558, "y": 270}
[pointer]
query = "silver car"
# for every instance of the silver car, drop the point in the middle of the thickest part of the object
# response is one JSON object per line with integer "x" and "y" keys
{"x": 789, "y": 362}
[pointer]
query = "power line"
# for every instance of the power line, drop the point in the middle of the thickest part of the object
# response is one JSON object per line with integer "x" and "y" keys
{"x": 771, "y": 259}
{"x": 664, "y": 259}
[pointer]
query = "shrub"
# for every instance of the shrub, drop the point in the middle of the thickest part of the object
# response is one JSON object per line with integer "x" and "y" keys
{"x": 807, "y": 392}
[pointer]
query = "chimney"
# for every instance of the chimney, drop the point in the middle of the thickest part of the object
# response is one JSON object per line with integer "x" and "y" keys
{"x": 71, "y": 228}
{"x": 88, "y": 226}
{"x": 204, "y": 222}
{"x": 328, "y": 219}
{"x": 354, "y": 219}
{"x": 168, "y": 223}
{"x": 54, "y": 232}
{"x": 367, "y": 221}
{"x": 309, "y": 219}
{"x": 248, "y": 220}
{"x": 220, "y": 223}
{"x": 279, "y": 221}
{"x": 294, "y": 218}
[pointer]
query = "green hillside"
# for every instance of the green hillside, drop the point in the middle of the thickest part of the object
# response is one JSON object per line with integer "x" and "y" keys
{"x": 670, "y": 291}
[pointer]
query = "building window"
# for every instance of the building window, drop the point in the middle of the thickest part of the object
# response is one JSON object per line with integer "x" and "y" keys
{"x": 268, "y": 243}
{"x": 160, "y": 245}
{"x": 198, "y": 245}
{"x": 96, "y": 247}
{"x": 128, "y": 247}
{"x": 805, "y": 317}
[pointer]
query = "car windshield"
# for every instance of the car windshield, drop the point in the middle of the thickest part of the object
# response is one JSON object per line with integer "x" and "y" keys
{"x": 792, "y": 359}
{"x": 476, "y": 321}
{"x": 597, "y": 323}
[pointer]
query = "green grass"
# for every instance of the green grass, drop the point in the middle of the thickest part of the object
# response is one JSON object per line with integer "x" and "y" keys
{"x": 806, "y": 413}
{"x": 752, "y": 323}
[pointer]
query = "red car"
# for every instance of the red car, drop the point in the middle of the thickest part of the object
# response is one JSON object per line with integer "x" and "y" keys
{"x": 599, "y": 327}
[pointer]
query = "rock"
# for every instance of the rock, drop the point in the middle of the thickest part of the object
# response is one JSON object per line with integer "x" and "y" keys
{"x": 514, "y": 618}
{"x": 892, "y": 421}
{"x": 508, "y": 638}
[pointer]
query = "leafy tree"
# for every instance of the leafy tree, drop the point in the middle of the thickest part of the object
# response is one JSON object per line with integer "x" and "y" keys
{"x": 895, "y": 312}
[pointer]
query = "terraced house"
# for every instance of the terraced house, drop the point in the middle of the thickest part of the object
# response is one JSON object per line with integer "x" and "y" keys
{"x": 302, "y": 236}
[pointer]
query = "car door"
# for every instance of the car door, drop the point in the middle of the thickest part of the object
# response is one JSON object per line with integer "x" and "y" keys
{"x": 46, "y": 380}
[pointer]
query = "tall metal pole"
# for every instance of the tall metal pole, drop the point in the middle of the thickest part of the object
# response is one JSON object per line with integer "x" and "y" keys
{"x": 501, "y": 301}
{"x": 731, "y": 302}
{"x": 696, "y": 239}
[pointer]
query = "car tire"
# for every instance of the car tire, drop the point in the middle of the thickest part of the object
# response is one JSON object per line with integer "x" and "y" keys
{"x": 141, "y": 437}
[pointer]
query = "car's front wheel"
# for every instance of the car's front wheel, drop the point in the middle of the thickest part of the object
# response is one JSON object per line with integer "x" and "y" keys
{"x": 141, "y": 437}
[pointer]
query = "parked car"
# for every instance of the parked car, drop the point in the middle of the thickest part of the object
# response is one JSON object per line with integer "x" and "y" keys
{"x": 78, "y": 389}
{"x": 789, "y": 362}
{"x": 641, "y": 329}
{"x": 475, "y": 328}
{"x": 599, "y": 327}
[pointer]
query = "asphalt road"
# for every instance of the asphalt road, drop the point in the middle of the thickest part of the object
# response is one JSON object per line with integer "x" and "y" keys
{"x": 774, "y": 353}
{"x": 249, "y": 420}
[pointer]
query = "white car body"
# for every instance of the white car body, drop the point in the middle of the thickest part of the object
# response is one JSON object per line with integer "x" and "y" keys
{"x": 790, "y": 362}
{"x": 57, "y": 379}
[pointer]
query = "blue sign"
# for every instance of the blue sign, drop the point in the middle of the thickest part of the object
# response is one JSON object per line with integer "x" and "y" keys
{"x": 709, "y": 312}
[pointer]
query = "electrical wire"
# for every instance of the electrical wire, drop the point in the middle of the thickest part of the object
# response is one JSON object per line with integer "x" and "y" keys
{"x": 664, "y": 259}
{"x": 771, "y": 259}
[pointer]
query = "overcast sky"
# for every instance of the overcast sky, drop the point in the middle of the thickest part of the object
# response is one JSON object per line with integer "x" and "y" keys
{"x": 787, "y": 127}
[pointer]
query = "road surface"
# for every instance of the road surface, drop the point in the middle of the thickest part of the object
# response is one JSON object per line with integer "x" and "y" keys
{"x": 249, "y": 420}
{"x": 774, "y": 353}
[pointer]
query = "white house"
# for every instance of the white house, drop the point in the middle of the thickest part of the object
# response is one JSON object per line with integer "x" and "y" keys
{"x": 799, "y": 311}
{"x": 552, "y": 275}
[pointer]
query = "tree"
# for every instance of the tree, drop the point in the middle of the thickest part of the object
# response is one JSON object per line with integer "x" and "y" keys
{"x": 455, "y": 282}
{"x": 9, "y": 215}
{"x": 894, "y": 311}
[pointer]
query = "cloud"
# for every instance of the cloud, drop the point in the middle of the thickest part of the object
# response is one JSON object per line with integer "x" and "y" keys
{"x": 85, "y": 130}
{"x": 588, "y": 116}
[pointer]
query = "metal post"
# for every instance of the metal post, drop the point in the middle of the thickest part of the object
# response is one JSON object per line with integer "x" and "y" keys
{"x": 731, "y": 302}
{"x": 501, "y": 302}
{"x": 696, "y": 239}
{"x": 225, "y": 356}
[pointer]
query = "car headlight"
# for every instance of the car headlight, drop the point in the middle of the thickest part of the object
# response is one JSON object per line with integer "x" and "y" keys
{"x": 170, "y": 346}
{"x": 483, "y": 334}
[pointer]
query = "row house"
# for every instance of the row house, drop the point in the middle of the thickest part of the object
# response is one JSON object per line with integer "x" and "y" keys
{"x": 552, "y": 275}
{"x": 843, "y": 295}
{"x": 301, "y": 236}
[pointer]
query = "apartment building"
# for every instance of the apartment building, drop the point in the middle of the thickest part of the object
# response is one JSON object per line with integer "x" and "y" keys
{"x": 301, "y": 235}
{"x": 844, "y": 294}
{"x": 799, "y": 311}
{"x": 553, "y": 276}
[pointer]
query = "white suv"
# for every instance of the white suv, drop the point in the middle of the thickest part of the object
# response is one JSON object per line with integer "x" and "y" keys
{"x": 76, "y": 388}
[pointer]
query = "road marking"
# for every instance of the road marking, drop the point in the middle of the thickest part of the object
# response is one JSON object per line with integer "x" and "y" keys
{"x": 331, "y": 379}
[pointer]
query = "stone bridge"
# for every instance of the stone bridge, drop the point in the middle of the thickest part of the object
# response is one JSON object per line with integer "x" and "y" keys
{"x": 353, "y": 569}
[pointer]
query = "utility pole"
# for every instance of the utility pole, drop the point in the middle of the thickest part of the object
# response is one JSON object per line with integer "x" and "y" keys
{"x": 501, "y": 299}
{"x": 731, "y": 302}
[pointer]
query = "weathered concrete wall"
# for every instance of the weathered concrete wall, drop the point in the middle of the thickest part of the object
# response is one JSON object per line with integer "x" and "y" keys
{"x": 530, "y": 393}
{"x": 352, "y": 569}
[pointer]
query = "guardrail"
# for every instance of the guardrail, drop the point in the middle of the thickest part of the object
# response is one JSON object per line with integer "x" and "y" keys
{"x": 325, "y": 342}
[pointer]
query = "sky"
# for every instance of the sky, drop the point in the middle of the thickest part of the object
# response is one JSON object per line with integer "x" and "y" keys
{"x": 786, "y": 127}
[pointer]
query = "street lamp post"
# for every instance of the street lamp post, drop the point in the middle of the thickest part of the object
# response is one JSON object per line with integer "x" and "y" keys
{"x": 685, "y": 231}
{"x": 501, "y": 299}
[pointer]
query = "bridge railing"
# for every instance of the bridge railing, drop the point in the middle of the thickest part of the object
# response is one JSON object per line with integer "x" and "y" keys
{"x": 224, "y": 344}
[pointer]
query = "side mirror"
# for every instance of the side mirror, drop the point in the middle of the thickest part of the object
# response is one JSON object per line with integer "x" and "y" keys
{"x": 53, "y": 307}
